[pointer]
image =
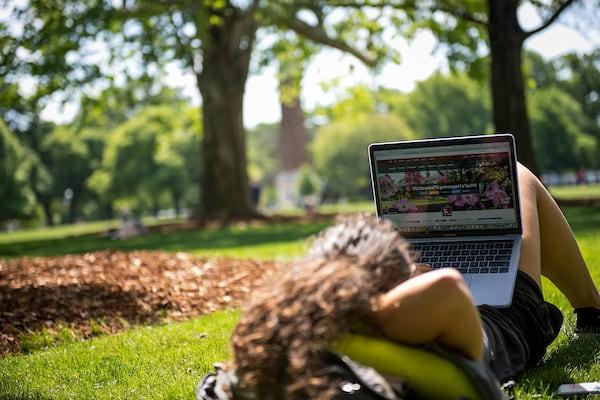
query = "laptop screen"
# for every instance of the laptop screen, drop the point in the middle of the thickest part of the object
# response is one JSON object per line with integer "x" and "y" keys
{"x": 449, "y": 188}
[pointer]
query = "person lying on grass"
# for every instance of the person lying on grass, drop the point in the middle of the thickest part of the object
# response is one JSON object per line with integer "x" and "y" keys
{"x": 359, "y": 275}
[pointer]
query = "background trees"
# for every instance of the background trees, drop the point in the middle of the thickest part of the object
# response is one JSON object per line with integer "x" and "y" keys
{"x": 54, "y": 47}
{"x": 475, "y": 29}
{"x": 213, "y": 39}
{"x": 448, "y": 106}
{"x": 16, "y": 161}
{"x": 340, "y": 150}
{"x": 560, "y": 135}
{"x": 150, "y": 160}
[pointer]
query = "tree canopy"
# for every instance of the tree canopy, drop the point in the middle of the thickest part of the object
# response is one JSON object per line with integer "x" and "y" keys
{"x": 16, "y": 160}
{"x": 151, "y": 157}
{"x": 442, "y": 106}
{"x": 52, "y": 42}
{"x": 339, "y": 149}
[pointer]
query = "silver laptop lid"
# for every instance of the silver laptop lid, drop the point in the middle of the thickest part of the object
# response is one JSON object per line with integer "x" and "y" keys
{"x": 461, "y": 186}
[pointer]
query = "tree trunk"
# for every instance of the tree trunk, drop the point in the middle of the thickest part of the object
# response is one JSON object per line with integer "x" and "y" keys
{"x": 176, "y": 197}
{"x": 225, "y": 190}
{"x": 508, "y": 93}
{"x": 72, "y": 210}
{"x": 47, "y": 208}
{"x": 41, "y": 196}
{"x": 292, "y": 136}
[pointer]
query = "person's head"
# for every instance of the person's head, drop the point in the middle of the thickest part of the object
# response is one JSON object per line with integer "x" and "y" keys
{"x": 283, "y": 336}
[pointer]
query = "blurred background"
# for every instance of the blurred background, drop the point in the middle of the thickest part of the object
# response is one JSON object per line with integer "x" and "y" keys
{"x": 227, "y": 110}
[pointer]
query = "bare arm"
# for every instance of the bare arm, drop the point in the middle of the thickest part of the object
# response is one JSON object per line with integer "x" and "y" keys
{"x": 436, "y": 306}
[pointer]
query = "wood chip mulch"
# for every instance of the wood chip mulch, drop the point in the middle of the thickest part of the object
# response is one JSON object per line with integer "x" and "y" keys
{"x": 115, "y": 289}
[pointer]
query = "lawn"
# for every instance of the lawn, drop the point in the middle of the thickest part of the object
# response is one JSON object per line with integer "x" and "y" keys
{"x": 271, "y": 241}
{"x": 167, "y": 361}
{"x": 576, "y": 191}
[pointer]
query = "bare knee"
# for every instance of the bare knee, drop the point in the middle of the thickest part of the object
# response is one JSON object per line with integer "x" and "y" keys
{"x": 526, "y": 176}
{"x": 529, "y": 184}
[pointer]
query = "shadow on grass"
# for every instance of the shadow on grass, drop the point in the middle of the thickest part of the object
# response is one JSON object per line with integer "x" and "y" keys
{"x": 578, "y": 355}
{"x": 23, "y": 396}
{"x": 26, "y": 313}
{"x": 189, "y": 241}
{"x": 583, "y": 219}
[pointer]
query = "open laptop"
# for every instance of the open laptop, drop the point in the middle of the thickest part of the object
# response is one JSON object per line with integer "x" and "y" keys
{"x": 456, "y": 200}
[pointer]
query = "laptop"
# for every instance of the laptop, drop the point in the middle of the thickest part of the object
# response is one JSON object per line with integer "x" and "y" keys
{"x": 456, "y": 200}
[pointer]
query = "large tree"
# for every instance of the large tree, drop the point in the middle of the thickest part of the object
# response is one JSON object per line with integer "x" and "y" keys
{"x": 472, "y": 30}
{"x": 213, "y": 39}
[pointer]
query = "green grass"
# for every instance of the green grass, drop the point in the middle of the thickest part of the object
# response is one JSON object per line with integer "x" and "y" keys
{"x": 167, "y": 361}
{"x": 569, "y": 358}
{"x": 576, "y": 191}
{"x": 263, "y": 242}
{"x": 159, "y": 362}
{"x": 71, "y": 230}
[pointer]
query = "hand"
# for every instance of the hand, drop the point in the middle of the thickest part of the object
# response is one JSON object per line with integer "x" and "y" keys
{"x": 421, "y": 268}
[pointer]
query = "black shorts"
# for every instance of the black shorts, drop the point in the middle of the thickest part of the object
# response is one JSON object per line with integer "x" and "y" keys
{"x": 516, "y": 337}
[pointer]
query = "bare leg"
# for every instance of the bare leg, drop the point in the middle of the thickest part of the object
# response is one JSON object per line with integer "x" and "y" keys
{"x": 549, "y": 247}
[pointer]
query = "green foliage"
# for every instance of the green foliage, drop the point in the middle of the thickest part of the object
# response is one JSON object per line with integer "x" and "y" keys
{"x": 559, "y": 132}
{"x": 154, "y": 153}
{"x": 583, "y": 84}
{"x": 262, "y": 153}
{"x": 538, "y": 72}
{"x": 451, "y": 105}
{"x": 361, "y": 99}
{"x": 16, "y": 162}
{"x": 565, "y": 114}
{"x": 339, "y": 149}
{"x": 69, "y": 161}
{"x": 308, "y": 181}
{"x": 117, "y": 104}
{"x": 463, "y": 40}
{"x": 291, "y": 53}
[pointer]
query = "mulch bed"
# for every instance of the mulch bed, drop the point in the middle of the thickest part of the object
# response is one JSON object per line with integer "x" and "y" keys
{"x": 116, "y": 289}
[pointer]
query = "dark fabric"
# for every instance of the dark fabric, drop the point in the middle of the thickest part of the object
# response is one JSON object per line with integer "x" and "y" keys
{"x": 356, "y": 382}
{"x": 588, "y": 320}
{"x": 481, "y": 376}
{"x": 516, "y": 337}
{"x": 359, "y": 382}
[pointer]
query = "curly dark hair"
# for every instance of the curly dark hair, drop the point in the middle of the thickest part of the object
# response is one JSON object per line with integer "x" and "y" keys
{"x": 284, "y": 334}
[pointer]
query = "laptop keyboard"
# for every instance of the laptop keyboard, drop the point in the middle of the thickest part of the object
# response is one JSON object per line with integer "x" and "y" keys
{"x": 478, "y": 257}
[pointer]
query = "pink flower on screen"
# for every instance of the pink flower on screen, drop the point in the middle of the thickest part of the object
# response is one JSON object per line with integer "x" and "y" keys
{"x": 386, "y": 180}
{"x": 388, "y": 187}
{"x": 471, "y": 199}
{"x": 442, "y": 179}
{"x": 413, "y": 178}
{"x": 404, "y": 206}
{"x": 497, "y": 195}
{"x": 456, "y": 199}
{"x": 389, "y": 192}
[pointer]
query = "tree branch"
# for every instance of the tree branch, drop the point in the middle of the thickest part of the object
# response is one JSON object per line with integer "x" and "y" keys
{"x": 317, "y": 34}
{"x": 459, "y": 12}
{"x": 181, "y": 47}
{"x": 550, "y": 20}
{"x": 452, "y": 9}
